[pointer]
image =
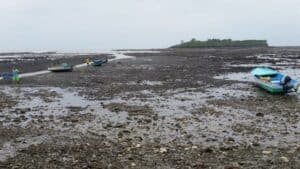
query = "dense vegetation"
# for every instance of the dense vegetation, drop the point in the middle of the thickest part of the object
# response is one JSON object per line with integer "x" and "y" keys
{"x": 221, "y": 43}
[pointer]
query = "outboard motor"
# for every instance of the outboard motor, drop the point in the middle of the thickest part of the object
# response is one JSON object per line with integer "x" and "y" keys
{"x": 284, "y": 82}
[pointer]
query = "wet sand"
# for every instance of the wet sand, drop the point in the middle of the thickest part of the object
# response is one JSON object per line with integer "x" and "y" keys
{"x": 169, "y": 108}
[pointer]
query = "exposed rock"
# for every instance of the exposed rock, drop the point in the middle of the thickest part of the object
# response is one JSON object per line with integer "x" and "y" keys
{"x": 284, "y": 159}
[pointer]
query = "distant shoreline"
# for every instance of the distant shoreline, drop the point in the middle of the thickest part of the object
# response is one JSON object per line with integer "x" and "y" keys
{"x": 216, "y": 43}
{"x": 19, "y": 52}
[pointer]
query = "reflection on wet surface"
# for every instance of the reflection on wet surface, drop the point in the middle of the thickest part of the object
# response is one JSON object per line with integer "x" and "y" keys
{"x": 182, "y": 114}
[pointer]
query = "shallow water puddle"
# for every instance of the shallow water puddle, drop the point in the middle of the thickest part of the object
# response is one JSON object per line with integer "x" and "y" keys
{"x": 56, "y": 101}
{"x": 173, "y": 114}
{"x": 250, "y": 65}
{"x": 41, "y": 103}
{"x": 146, "y": 82}
{"x": 11, "y": 148}
{"x": 274, "y": 57}
{"x": 138, "y": 51}
{"x": 242, "y": 77}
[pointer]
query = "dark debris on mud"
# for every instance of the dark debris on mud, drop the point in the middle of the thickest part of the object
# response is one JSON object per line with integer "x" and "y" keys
{"x": 246, "y": 125}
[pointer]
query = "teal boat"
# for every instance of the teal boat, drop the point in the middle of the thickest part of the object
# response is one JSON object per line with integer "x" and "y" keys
{"x": 64, "y": 67}
{"x": 98, "y": 62}
{"x": 274, "y": 81}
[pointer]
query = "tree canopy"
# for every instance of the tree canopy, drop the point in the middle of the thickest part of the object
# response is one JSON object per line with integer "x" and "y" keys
{"x": 221, "y": 43}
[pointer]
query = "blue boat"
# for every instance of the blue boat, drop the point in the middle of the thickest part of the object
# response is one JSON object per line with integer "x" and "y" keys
{"x": 274, "y": 81}
{"x": 64, "y": 67}
{"x": 99, "y": 62}
{"x": 6, "y": 75}
{"x": 13, "y": 75}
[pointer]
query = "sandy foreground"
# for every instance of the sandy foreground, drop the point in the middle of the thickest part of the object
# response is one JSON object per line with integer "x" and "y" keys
{"x": 169, "y": 108}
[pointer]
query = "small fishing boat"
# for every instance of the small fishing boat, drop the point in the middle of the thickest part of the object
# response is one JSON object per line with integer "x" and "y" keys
{"x": 98, "y": 62}
{"x": 13, "y": 75}
{"x": 64, "y": 67}
{"x": 6, "y": 75}
{"x": 274, "y": 81}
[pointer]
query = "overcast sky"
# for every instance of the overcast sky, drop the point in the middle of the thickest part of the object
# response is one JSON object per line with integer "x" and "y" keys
{"x": 107, "y": 24}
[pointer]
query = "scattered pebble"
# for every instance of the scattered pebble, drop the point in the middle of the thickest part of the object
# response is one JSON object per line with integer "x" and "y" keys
{"x": 186, "y": 149}
{"x": 194, "y": 147}
{"x": 267, "y": 152}
{"x": 163, "y": 150}
{"x": 284, "y": 159}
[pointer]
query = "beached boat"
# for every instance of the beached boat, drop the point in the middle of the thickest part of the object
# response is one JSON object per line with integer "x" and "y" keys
{"x": 64, "y": 67}
{"x": 274, "y": 81}
{"x": 98, "y": 62}
{"x": 6, "y": 75}
{"x": 13, "y": 75}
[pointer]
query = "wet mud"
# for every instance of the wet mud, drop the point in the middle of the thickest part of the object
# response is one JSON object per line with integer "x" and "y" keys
{"x": 169, "y": 108}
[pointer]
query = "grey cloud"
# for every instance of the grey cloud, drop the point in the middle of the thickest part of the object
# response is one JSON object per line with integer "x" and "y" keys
{"x": 99, "y": 24}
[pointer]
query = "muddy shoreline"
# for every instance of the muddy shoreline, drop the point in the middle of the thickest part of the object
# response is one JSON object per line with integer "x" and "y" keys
{"x": 168, "y": 108}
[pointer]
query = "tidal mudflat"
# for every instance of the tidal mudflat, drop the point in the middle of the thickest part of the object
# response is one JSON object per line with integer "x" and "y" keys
{"x": 169, "y": 108}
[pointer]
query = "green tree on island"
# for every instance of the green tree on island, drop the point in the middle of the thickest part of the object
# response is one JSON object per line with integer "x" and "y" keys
{"x": 193, "y": 43}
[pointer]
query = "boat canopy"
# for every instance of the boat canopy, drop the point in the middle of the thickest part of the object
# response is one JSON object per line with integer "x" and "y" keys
{"x": 263, "y": 71}
{"x": 64, "y": 65}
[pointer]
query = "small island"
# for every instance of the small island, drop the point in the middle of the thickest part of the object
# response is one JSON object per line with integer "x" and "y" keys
{"x": 221, "y": 43}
